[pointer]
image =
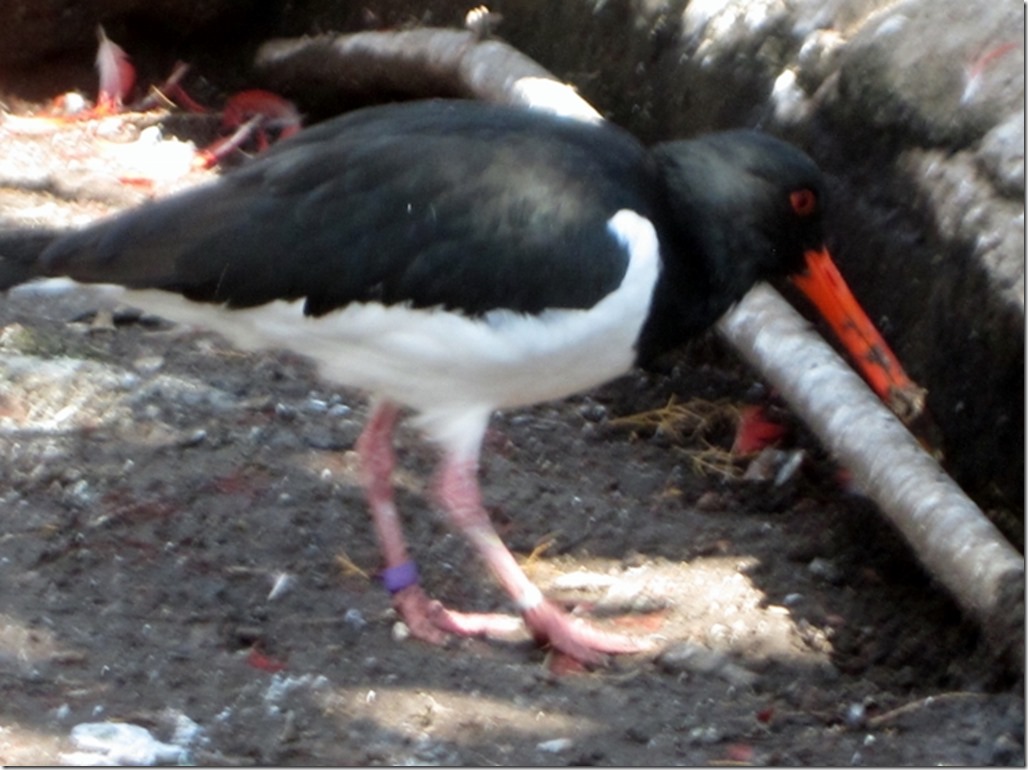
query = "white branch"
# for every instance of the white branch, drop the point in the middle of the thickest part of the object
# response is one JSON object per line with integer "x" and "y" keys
{"x": 423, "y": 62}
{"x": 949, "y": 533}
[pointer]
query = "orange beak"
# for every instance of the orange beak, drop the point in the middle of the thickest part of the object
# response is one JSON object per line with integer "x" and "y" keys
{"x": 825, "y": 287}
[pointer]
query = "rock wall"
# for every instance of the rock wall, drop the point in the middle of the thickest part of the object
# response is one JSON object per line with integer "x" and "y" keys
{"x": 915, "y": 108}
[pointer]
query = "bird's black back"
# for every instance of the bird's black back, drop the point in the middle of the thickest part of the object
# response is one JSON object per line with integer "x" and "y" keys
{"x": 456, "y": 204}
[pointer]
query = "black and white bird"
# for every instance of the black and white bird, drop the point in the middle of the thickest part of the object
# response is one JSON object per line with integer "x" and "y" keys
{"x": 455, "y": 258}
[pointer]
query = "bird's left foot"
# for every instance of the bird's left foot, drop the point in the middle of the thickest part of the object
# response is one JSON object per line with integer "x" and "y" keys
{"x": 429, "y": 620}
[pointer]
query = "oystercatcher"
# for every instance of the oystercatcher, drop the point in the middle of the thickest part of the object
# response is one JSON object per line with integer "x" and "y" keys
{"x": 454, "y": 258}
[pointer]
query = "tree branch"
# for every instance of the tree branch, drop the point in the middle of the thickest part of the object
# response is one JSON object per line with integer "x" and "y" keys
{"x": 420, "y": 63}
{"x": 951, "y": 536}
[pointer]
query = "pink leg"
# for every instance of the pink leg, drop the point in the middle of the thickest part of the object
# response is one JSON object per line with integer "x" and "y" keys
{"x": 427, "y": 619}
{"x": 375, "y": 448}
{"x": 459, "y": 493}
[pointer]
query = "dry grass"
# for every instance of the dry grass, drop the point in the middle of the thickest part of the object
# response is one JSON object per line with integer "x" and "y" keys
{"x": 691, "y": 427}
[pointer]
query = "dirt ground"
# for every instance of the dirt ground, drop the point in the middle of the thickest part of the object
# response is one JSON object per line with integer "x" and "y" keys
{"x": 184, "y": 548}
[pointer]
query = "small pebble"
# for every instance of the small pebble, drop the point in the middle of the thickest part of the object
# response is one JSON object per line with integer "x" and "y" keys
{"x": 825, "y": 569}
{"x": 692, "y": 658}
{"x": 148, "y": 364}
{"x": 705, "y": 736}
{"x": 285, "y": 411}
{"x": 556, "y": 745}
{"x": 195, "y": 438}
{"x": 593, "y": 412}
{"x": 789, "y": 466}
{"x": 764, "y": 466}
{"x": 855, "y": 715}
{"x": 283, "y": 582}
{"x": 401, "y": 632}
{"x": 315, "y": 406}
{"x": 354, "y": 619}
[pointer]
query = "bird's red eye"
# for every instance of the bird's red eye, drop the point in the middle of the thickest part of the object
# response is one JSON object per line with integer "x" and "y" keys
{"x": 803, "y": 201}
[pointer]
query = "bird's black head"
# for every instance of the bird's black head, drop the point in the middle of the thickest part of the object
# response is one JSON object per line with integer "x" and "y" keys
{"x": 744, "y": 207}
{"x": 745, "y": 204}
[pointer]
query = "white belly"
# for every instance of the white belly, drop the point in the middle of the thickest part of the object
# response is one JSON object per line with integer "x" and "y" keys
{"x": 444, "y": 364}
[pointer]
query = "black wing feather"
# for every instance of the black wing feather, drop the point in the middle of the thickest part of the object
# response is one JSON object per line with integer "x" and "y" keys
{"x": 468, "y": 206}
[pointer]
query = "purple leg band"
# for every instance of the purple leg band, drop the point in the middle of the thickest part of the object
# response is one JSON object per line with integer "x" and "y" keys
{"x": 395, "y": 579}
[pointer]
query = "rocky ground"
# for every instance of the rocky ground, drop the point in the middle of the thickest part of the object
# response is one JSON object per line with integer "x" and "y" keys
{"x": 185, "y": 549}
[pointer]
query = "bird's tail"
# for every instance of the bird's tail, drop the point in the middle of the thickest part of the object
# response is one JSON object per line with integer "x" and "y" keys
{"x": 19, "y": 255}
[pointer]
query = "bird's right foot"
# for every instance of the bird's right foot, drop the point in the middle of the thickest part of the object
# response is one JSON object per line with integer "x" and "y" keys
{"x": 430, "y": 621}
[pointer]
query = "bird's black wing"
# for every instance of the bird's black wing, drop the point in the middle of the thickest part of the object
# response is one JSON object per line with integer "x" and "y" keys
{"x": 467, "y": 206}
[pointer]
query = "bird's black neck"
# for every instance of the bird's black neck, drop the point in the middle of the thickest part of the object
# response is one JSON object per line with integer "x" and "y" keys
{"x": 699, "y": 280}
{"x": 679, "y": 314}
